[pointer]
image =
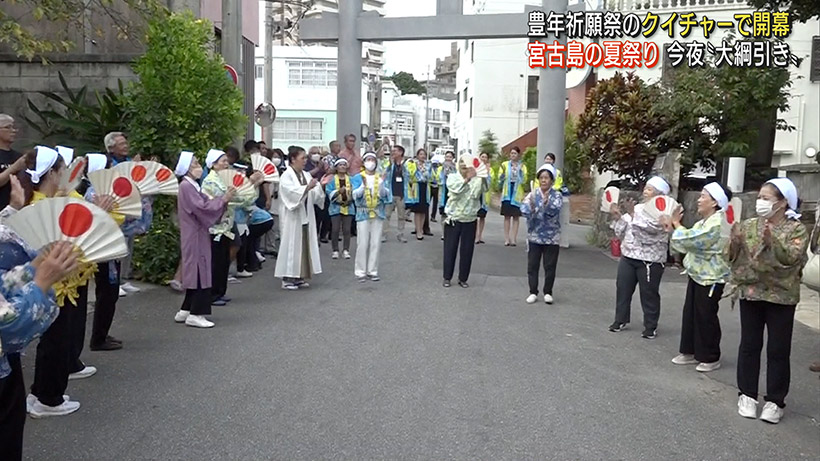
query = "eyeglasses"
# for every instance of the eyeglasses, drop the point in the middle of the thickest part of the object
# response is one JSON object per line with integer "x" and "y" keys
{"x": 8, "y": 127}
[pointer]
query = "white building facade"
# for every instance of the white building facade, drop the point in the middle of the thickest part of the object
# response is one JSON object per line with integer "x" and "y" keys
{"x": 405, "y": 117}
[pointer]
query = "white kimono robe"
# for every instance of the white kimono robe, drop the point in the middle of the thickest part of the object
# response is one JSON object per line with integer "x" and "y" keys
{"x": 292, "y": 215}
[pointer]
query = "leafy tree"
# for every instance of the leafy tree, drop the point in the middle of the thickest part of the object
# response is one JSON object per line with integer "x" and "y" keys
{"x": 407, "y": 84}
{"x": 488, "y": 143}
{"x": 28, "y": 26}
{"x": 576, "y": 158}
{"x": 183, "y": 101}
{"x": 712, "y": 113}
{"x": 799, "y": 10}
{"x": 619, "y": 126}
{"x": 73, "y": 120}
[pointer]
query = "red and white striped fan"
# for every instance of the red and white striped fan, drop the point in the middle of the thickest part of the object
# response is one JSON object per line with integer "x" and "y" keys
{"x": 471, "y": 161}
{"x": 266, "y": 167}
{"x": 111, "y": 182}
{"x": 660, "y": 206}
{"x": 238, "y": 180}
{"x": 88, "y": 227}
{"x": 611, "y": 195}
{"x": 151, "y": 178}
{"x": 73, "y": 175}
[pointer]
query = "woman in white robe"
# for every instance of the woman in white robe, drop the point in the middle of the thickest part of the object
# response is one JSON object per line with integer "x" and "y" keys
{"x": 299, "y": 247}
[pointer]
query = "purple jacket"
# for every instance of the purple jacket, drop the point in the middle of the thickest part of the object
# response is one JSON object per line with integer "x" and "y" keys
{"x": 197, "y": 213}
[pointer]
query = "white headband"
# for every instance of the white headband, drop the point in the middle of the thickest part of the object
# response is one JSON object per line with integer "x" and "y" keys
{"x": 717, "y": 193}
{"x": 213, "y": 156}
{"x": 369, "y": 155}
{"x": 96, "y": 161}
{"x": 184, "y": 163}
{"x": 659, "y": 184}
{"x": 46, "y": 158}
{"x": 786, "y": 187}
{"x": 67, "y": 153}
{"x": 340, "y": 161}
{"x": 546, "y": 167}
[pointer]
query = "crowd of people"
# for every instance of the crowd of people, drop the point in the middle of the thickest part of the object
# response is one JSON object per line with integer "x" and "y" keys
{"x": 330, "y": 196}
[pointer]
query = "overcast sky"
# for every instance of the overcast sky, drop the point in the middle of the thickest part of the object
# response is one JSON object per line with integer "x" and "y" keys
{"x": 415, "y": 56}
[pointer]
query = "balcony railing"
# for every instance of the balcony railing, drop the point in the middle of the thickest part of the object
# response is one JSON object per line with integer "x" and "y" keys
{"x": 677, "y": 5}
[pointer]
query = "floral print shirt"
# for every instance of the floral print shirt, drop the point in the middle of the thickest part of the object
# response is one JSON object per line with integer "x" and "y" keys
{"x": 704, "y": 246}
{"x": 25, "y": 311}
{"x": 641, "y": 237}
{"x": 543, "y": 215}
{"x": 213, "y": 187}
{"x": 769, "y": 272}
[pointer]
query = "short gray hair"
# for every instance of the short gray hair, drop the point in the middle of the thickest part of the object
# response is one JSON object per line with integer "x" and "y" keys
{"x": 6, "y": 118}
{"x": 111, "y": 139}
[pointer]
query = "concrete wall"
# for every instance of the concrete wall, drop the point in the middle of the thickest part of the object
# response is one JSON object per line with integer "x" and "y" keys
{"x": 21, "y": 80}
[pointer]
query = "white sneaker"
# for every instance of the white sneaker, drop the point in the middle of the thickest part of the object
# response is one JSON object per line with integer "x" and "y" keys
{"x": 747, "y": 406}
{"x": 771, "y": 413}
{"x": 38, "y": 410}
{"x": 384, "y": 238}
{"x": 531, "y": 299}
{"x": 30, "y": 399}
{"x": 181, "y": 316}
{"x": 548, "y": 299}
{"x": 334, "y": 255}
{"x": 234, "y": 280}
{"x": 289, "y": 286}
{"x": 707, "y": 367}
{"x": 684, "y": 359}
{"x": 122, "y": 292}
{"x": 260, "y": 257}
{"x": 198, "y": 321}
{"x": 244, "y": 274}
{"x": 129, "y": 288}
{"x": 346, "y": 254}
{"x": 86, "y": 372}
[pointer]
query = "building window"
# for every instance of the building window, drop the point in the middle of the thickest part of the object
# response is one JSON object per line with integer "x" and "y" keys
{"x": 260, "y": 71}
{"x": 532, "y": 92}
{"x": 446, "y": 115}
{"x": 465, "y": 95}
{"x": 814, "y": 62}
{"x": 458, "y": 101}
{"x": 436, "y": 133}
{"x": 298, "y": 128}
{"x": 472, "y": 53}
{"x": 311, "y": 74}
{"x": 471, "y": 107}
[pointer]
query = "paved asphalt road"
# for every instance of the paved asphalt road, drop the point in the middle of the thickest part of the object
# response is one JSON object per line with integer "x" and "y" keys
{"x": 405, "y": 369}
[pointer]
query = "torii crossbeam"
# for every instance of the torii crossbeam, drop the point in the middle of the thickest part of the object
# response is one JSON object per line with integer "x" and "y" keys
{"x": 351, "y": 26}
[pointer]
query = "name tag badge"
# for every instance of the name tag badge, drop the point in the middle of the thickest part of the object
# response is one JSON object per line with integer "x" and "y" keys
{"x": 399, "y": 179}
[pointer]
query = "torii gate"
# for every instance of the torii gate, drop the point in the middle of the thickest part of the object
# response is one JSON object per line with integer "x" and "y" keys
{"x": 351, "y": 26}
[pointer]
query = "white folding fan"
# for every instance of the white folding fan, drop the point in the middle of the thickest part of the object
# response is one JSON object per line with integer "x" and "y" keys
{"x": 238, "y": 180}
{"x": 471, "y": 161}
{"x": 151, "y": 178}
{"x": 732, "y": 215}
{"x": 73, "y": 175}
{"x": 611, "y": 195}
{"x": 660, "y": 206}
{"x": 88, "y": 227}
{"x": 127, "y": 199}
{"x": 266, "y": 167}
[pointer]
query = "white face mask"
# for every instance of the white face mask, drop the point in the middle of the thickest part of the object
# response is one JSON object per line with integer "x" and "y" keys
{"x": 315, "y": 157}
{"x": 764, "y": 208}
{"x": 276, "y": 161}
{"x": 370, "y": 166}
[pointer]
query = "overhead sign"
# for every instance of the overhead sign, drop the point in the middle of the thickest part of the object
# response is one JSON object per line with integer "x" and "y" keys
{"x": 232, "y": 75}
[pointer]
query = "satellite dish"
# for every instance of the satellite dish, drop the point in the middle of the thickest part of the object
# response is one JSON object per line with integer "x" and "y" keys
{"x": 265, "y": 114}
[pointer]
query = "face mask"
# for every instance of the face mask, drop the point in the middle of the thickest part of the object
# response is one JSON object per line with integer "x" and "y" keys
{"x": 764, "y": 208}
{"x": 370, "y": 166}
{"x": 276, "y": 161}
{"x": 315, "y": 157}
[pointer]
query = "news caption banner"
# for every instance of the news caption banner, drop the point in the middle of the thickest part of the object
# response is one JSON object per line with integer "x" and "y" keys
{"x": 761, "y": 42}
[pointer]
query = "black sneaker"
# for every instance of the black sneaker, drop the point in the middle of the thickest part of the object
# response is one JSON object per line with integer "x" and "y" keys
{"x": 648, "y": 334}
{"x": 617, "y": 326}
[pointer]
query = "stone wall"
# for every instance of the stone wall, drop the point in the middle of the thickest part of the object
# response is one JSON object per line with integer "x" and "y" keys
{"x": 21, "y": 80}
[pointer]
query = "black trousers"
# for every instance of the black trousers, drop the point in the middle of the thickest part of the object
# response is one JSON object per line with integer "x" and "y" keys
{"x": 647, "y": 276}
{"x": 536, "y": 255}
{"x": 778, "y": 320}
{"x": 433, "y": 202}
{"x": 12, "y": 411}
{"x": 700, "y": 328}
{"x": 426, "y": 227}
{"x": 106, "y": 305}
{"x": 78, "y": 316}
{"x": 51, "y": 366}
{"x": 246, "y": 258}
{"x": 220, "y": 266}
{"x": 197, "y": 302}
{"x": 323, "y": 220}
{"x": 459, "y": 237}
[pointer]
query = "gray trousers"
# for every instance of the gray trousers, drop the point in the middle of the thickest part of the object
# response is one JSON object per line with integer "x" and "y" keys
{"x": 126, "y": 261}
{"x": 647, "y": 276}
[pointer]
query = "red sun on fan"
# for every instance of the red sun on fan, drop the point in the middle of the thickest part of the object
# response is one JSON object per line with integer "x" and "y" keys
{"x": 138, "y": 173}
{"x": 163, "y": 174}
{"x": 609, "y": 197}
{"x": 730, "y": 214}
{"x": 476, "y": 163}
{"x": 238, "y": 180}
{"x": 269, "y": 169}
{"x": 122, "y": 187}
{"x": 75, "y": 220}
{"x": 660, "y": 204}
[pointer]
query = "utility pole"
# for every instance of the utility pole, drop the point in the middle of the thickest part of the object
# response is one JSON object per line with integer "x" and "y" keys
{"x": 267, "y": 132}
{"x": 232, "y": 39}
{"x": 282, "y": 22}
{"x": 427, "y": 113}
